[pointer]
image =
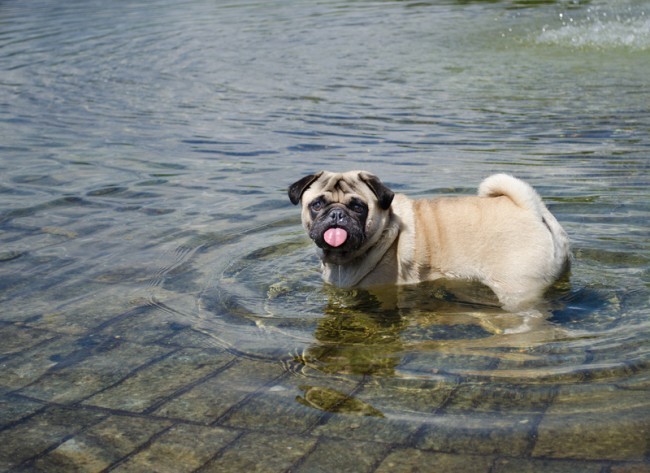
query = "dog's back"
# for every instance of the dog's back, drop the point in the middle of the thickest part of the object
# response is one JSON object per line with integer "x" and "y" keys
{"x": 523, "y": 195}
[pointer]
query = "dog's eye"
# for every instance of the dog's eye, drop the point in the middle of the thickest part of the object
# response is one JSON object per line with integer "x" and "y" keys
{"x": 357, "y": 207}
{"x": 316, "y": 205}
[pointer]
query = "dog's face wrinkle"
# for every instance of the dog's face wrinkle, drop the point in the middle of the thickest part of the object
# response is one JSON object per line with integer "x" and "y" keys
{"x": 321, "y": 206}
{"x": 338, "y": 189}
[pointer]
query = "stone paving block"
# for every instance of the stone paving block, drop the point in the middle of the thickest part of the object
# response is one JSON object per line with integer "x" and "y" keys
{"x": 367, "y": 428}
{"x": 100, "y": 446}
{"x": 105, "y": 365}
{"x": 521, "y": 465}
{"x": 479, "y": 433}
{"x": 415, "y": 461}
{"x": 210, "y": 400}
{"x": 145, "y": 324}
{"x": 153, "y": 384}
{"x": 427, "y": 364}
{"x": 17, "y": 338}
{"x": 639, "y": 381}
{"x": 542, "y": 360}
{"x": 261, "y": 453}
{"x": 327, "y": 399}
{"x": 406, "y": 395}
{"x": 631, "y": 468}
{"x": 494, "y": 397}
{"x": 15, "y": 408}
{"x": 40, "y": 432}
{"x": 274, "y": 410}
{"x": 32, "y": 363}
{"x": 191, "y": 338}
{"x": 85, "y": 313}
{"x": 294, "y": 403}
{"x": 183, "y": 448}
{"x": 342, "y": 456}
{"x": 583, "y": 423}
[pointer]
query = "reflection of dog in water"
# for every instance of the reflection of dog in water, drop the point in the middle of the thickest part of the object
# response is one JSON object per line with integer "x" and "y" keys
{"x": 367, "y": 236}
{"x": 367, "y": 332}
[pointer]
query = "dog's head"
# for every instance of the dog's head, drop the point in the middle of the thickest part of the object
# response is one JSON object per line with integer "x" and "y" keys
{"x": 344, "y": 213}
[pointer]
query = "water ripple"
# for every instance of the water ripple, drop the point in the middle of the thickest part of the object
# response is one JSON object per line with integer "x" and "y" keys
{"x": 147, "y": 149}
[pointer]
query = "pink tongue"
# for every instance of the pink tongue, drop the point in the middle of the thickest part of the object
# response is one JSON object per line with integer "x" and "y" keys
{"x": 335, "y": 237}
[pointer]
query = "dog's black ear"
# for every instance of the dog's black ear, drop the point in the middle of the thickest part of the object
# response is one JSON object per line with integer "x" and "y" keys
{"x": 298, "y": 188}
{"x": 383, "y": 193}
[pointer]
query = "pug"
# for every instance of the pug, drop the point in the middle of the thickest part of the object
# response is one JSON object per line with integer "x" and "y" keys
{"x": 366, "y": 235}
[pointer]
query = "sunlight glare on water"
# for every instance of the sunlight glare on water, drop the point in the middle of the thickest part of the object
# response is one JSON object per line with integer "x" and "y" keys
{"x": 602, "y": 28}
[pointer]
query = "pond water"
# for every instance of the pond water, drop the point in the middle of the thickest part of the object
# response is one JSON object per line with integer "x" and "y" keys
{"x": 145, "y": 155}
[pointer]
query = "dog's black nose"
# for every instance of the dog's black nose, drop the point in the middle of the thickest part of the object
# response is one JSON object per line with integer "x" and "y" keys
{"x": 337, "y": 216}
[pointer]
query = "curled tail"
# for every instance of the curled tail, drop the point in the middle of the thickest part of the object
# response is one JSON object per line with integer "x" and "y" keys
{"x": 521, "y": 193}
{"x": 524, "y": 196}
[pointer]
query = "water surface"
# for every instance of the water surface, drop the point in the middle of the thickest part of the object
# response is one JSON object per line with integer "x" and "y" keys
{"x": 146, "y": 150}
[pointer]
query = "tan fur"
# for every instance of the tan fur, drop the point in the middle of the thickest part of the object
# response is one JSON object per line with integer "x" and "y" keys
{"x": 504, "y": 238}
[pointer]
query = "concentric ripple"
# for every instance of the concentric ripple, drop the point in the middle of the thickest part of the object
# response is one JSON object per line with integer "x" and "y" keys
{"x": 269, "y": 301}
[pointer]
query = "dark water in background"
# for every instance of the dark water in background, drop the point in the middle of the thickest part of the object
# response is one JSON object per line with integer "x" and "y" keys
{"x": 146, "y": 148}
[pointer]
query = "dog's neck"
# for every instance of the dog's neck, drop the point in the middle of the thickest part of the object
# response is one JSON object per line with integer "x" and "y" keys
{"x": 351, "y": 274}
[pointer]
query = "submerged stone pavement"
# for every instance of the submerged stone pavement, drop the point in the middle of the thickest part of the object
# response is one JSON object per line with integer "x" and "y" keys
{"x": 135, "y": 391}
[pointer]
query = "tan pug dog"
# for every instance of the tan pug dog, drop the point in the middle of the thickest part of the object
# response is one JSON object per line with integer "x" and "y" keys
{"x": 368, "y": 236}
